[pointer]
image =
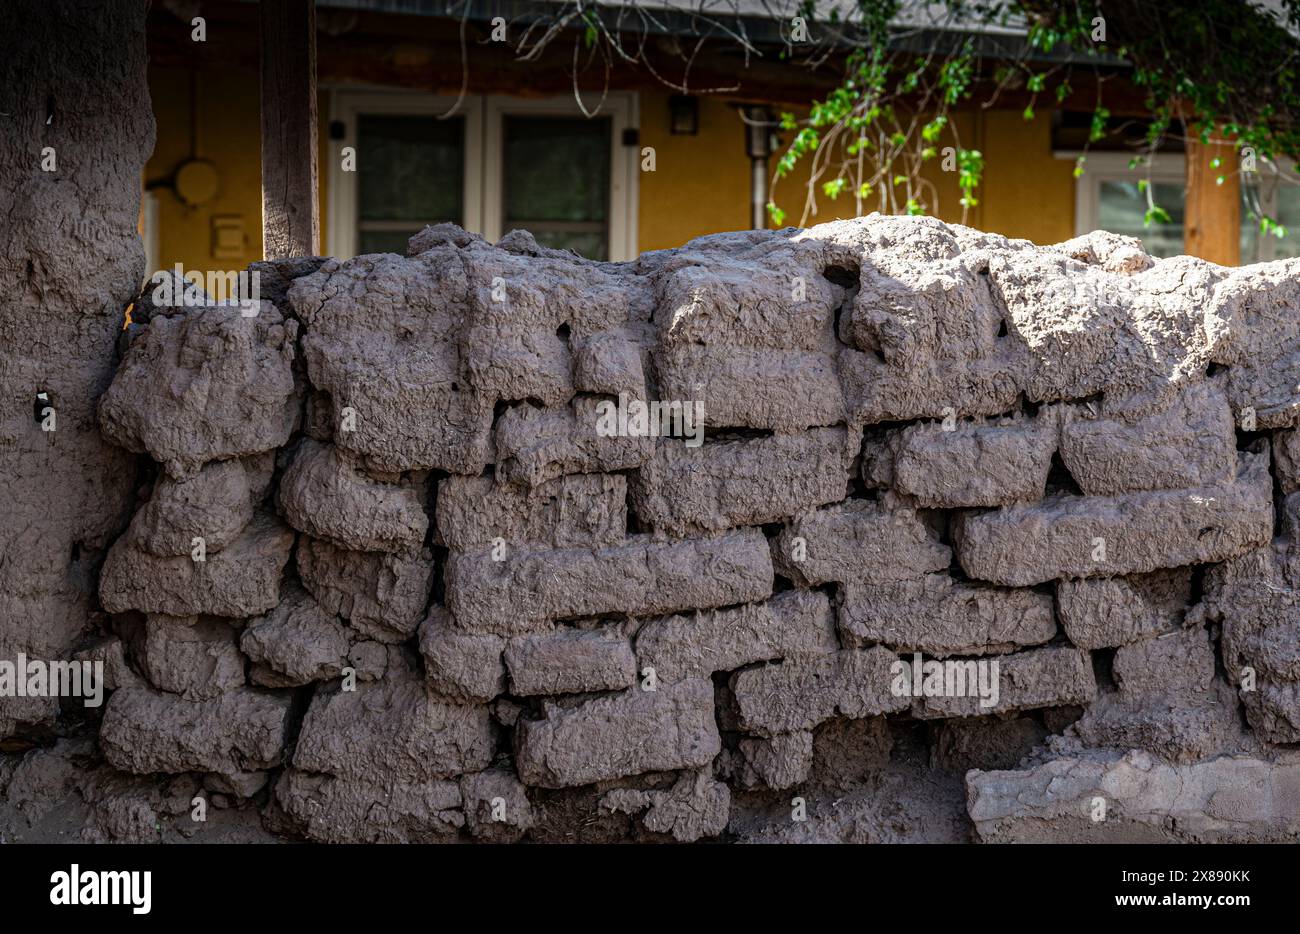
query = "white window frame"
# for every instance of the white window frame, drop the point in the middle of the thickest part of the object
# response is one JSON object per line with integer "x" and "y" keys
{"x": 346, "y": 104}
{"x": 624, "y": 162}
{"x": 149, "y": 233}
{"x": 1100, "y": 167}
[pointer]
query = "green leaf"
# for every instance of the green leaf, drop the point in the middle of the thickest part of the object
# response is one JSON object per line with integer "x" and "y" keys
{"x": 1156, "y": 215}
{"x": 1098, "y": 128}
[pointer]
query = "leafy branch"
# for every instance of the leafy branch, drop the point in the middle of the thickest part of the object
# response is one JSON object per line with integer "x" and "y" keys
{"x": 1208, "y": 69}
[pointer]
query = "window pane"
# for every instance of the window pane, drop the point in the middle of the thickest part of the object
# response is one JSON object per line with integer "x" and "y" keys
{"x": 1121, "y": 208}
{"x": 1288, "y": 215}
{"x": 1250, "y": 248}
{"x": 410, "y": 168}
{"x": 590, "y": 245}
{"x": 557, "y": 169}
{"x": 1278, "y": 197}
{"x": 385, "y": 241}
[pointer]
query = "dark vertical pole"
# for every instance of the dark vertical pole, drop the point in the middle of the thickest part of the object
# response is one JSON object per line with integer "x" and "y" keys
{"x": 290, "y": 217}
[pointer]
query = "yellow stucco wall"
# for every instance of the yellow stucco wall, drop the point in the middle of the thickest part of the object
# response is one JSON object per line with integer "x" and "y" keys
{"x": 225, "y": 113}
{"x": 1027, "y": 192}
{"x": 700, "y": 185}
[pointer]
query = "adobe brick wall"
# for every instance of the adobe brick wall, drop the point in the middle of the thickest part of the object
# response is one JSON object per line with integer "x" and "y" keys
{"x": 437, "y": 602}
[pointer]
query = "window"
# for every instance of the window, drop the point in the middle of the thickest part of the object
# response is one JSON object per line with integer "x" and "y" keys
{"x": 1107, "y": 197}
{"x": 499, "y": 164}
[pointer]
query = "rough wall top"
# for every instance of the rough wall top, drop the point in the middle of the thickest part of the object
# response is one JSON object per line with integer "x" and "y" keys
{"x": 879, "y": 319}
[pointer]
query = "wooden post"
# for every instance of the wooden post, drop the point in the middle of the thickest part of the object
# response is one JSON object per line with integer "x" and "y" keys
{"x": 290, "y": 216}
{"x": 1212, "y": 222}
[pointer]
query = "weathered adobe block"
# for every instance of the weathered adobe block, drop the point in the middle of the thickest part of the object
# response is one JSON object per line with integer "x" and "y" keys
{"x": 776, "y": 762}
{"x": 1110, "y": 611}
{"x": 570, "y": 662}
{"x": 741, "y": 387}
{"x": 325, "y": 494}
{"x": 241, "y": 730}
{"x": 609, "y": 363}
{"x": 458, "y": 664}
{"x": 382, "y": 595}
{"x": 619, "y": 734}
{"x": 207, "y": 385}
{"x": 927, "y": 326}
{"x": 1048, "y": 677}
{"x": 791, "y": 625}
{"x": 400, "y": 400}
{"x": 749, "y": 332}
{"x": 195, "y": 658}
{"x": 1136, "y": 533}
{"x": 529, "y": 590}
{"x": 241, "y": 580}
{"x": 724, "y": 484}
{"x": 328, "y": 809}
{"x": 1188, "y": 443}
{"x": 940, "y": 616}
{"x": 212, "y": 507}
{"x": 534, "y": 445}
{"x": 973, "y": 464}
{"x": 858, "y": 541}
{"x": 296, "y": 643}
{"x": 799, "y": 694}
{"x": 578, "y": 509}
{"x": 395, "y": 728}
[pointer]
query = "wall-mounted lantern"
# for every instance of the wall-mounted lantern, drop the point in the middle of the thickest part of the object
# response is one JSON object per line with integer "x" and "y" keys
{"x": 683, "y": 115}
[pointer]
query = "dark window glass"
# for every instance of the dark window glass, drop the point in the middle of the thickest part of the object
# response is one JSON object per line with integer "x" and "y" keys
{"x": 410, "y": 172}
{"x": 557, "y": 182}
{"x": 1122, "y": 207}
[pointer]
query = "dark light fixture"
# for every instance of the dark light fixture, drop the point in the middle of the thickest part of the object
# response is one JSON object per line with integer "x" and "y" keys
{"x": 684, "y": 115}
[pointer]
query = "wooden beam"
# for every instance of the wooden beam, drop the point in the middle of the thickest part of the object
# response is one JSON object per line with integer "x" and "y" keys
{"x": 1212, "y": 222}
{"x": 290, "y": 216}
